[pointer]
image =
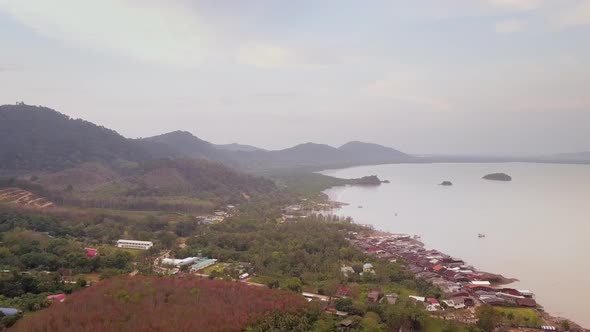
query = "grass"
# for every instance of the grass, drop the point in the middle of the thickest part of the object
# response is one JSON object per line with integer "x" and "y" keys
{"x": 106, "y": 249}
{"x": 521, "y": 316}
{"x": 215, "y": 267}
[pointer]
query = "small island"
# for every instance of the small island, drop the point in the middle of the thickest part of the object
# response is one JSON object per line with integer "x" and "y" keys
{"x": 498, "y": 177}
{"x": 446, "y": 183}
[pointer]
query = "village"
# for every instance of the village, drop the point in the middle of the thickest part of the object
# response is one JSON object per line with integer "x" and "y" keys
{"x": 464, "y": 287}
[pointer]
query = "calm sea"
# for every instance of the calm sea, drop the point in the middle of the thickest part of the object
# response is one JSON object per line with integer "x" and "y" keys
{"x": 537, "y": 226}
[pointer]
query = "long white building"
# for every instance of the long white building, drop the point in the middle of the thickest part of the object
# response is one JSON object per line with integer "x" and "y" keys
{"x": 180, "y": 262}
{"x": 133, "y": 244}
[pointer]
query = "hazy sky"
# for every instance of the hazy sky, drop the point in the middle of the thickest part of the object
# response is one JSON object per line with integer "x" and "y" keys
{"x": 429, "y": 76}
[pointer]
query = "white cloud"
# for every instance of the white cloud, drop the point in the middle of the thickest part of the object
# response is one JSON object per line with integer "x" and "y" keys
{"x": 268, "y": 55}
{"x": 145, "y": 30}
{"x": 509, "y": 26}
{"x": 576, "y": 15}
{"x": 517, "y": 5}
{"x": 410, "y": 85}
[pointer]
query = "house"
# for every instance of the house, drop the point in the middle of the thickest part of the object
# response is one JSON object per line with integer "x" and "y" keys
{"x": 342, "y": 291}
{"x": 345, "y": 325}
{"x": 9, "y": 311}
{"x": 57, "y": 297}
{"x": 418, "y": 298}
{"x": 478, "y": 288}
{"x": 481, "y": 283}
{"x": 347, "y": 270}
{"x": 433, "y": 301}
{"x": 526, "y": 302}
{"x": 438, "y": 268}
{"x": 390, "y": 298}
{"x": 492, "y": 300}
{"x": 458, "y": 294}
{"x": 312, "y": 296}
{"x": 91, "y": 252}
{"x": 333, "y": 311}
{"x": 368, "y": 268}
{"x": 373, "y": 296}
{"x": 372, "y": 250}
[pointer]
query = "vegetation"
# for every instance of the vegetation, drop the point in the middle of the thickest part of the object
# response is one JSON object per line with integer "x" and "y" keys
{"x": 498, "y": 177}
{"x": 163, "y": 304}
{"x": 160, "y": 185}
{"x": 39, "y": 138}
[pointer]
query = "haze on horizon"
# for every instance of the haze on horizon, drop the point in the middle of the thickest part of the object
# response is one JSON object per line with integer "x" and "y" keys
{"x": 498, "y": 77}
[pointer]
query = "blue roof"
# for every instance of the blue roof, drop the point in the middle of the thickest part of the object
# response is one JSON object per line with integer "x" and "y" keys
{"x": 9, "y": 311}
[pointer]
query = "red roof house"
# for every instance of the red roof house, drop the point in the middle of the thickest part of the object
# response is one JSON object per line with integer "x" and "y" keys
{"x": 57, "y": 297}
{"x": 91, "y": 252}
{"x": 526, "y": 302}
{"x": 433, "y": 301}
{"x": 438, "y": 268}
{"x": 343, "y": 291}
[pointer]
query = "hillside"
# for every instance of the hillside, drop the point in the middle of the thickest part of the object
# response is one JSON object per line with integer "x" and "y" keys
{"x": 162, "y": 304}
{"x": 39, "y": 138}
{"x": 190, "y": 185}
{"x": 238, "y": 147}
{"x": 372, "y": 153}
{"x": 313, "y": 156}
{"x": 186, "y": 144}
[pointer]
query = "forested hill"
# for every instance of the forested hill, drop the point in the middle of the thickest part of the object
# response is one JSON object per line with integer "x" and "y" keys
{"x": 187, "y": 145}
{"x": 39, "y": 138}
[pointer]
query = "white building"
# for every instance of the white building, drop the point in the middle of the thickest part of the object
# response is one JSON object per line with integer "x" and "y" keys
{"x": 180, "y": 262}
{"x": 133, "y": 244}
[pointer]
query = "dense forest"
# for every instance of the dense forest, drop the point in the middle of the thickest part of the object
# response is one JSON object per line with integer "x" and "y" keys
{"x": 38, "y": 138}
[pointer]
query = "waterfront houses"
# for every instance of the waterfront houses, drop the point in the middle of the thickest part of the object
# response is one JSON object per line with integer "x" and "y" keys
{"x": 463, "y": 285}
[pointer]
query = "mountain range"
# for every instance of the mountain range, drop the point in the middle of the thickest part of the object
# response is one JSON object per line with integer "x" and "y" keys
{"x": 39, "y": 138}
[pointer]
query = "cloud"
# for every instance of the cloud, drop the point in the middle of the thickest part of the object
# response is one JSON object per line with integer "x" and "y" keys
{"x": 408, "y": 87}
{"x": 517, "y": 5}
{"x": 150, "y": 31}
{"x": 268, "y": 55}
{"x": 509, "y": 26}
{"x": 576, "y": 15}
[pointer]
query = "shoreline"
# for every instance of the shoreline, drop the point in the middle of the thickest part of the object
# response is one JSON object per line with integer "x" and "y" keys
{"x": 497, "y": 282}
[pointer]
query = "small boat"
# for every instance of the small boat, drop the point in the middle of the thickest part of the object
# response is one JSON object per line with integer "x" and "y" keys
{"x": 481, "y": 235}
{"x": 360, "y": 206}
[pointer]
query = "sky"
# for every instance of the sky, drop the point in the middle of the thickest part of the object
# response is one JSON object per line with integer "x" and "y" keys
{"x": 485, "y": 77}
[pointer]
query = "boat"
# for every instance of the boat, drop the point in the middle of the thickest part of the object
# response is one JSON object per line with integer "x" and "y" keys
{"x": 360, "y": 206}
{"x": 480, "y": 235}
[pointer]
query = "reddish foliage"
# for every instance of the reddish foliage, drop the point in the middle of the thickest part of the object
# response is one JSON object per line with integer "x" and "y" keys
{"x": 162, "y": 304}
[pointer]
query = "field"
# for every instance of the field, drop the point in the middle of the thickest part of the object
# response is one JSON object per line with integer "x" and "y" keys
{"x": 24, "y": 197}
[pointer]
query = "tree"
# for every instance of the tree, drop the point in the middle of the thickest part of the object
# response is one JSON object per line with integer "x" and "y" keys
{"x": 344, "y": 304}
{"x": 370, "y": 323}
{"x": 488, "y": 318}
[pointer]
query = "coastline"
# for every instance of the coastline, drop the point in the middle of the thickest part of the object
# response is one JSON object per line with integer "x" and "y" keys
{"x": 375, "y": 239}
